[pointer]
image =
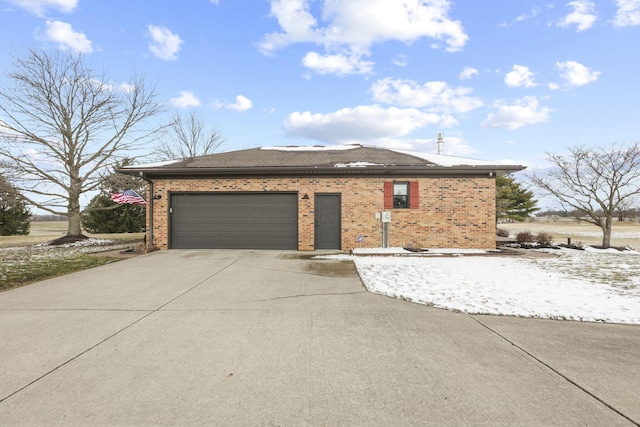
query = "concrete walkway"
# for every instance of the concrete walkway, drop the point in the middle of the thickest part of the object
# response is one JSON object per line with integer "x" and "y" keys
{"x": 268, "y": 338}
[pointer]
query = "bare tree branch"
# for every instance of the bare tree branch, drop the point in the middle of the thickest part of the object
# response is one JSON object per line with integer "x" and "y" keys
{"x": 594, "y": 179}
{"x": 188, "y": 136}
{"x": 63, "y": 124}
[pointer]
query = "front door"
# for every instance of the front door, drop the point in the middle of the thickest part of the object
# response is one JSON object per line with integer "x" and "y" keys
{"x": 328, "y": 221}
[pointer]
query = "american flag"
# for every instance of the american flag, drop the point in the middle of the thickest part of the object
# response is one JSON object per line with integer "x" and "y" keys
{"x": 128, "y": 196}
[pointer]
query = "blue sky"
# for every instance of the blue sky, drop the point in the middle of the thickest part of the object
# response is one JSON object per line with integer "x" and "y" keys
{"x": 503, "y": 80}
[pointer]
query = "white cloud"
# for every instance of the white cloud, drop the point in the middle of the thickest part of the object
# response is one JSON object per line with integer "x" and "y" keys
{"x": 524, "y": 112}
{"x": 628, "y": 13}
{"x": 126, "y": 87}
{"x": 435, "y": 97}
{"x": 297, "y": 24}
{"x": 63, "y": 34}
{"x": 336, "y": 64}
{"x": 520, "y": 76}
{"x": 214, "y": 1}
{"x": 110, "y": 86}
{"x": 185, "y": 100}
{"x": 400, "y": 60}
{"x": 242, "y": 104}
{"x": 38, "y": 7}
{"x": 583, "y": 15}
{"x": 576, "y": 74}
{"x": 362, "y": 124}
{"x": 453, "y": 146}
{"x": 467, "y": 73}
{"x": 164, "y": 44}
{"x": 352, "y": 27}
{"x": 534, "y": 12}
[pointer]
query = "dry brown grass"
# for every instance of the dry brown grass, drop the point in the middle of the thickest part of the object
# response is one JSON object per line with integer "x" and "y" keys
{"x": 44, "y": 231}
{"x": 623, "y": 234}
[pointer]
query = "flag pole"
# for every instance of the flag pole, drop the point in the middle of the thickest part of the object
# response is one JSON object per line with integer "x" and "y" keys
{"x": 149, "y": 211}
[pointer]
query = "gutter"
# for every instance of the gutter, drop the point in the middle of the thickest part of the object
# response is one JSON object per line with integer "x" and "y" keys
{"x": 483, "y": 170}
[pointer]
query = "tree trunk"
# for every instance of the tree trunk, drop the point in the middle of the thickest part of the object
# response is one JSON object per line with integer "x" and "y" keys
{"x": 73, "y": 213}
{"x": 606, "y": 233}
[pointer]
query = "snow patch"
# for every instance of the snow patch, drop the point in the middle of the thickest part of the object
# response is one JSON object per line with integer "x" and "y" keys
{"x": 312, "y": 148}
{"x": 592, "y": 285}
{"x": 402, "y": 251}
{"x": 446, "y": 161}
{"x": 153, "y": 165}
{"x": 355, "y": 165}
{"x": 79, "y": 243}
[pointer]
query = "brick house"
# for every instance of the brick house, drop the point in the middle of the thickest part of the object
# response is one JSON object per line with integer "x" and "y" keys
{"x": 312, "y": 198}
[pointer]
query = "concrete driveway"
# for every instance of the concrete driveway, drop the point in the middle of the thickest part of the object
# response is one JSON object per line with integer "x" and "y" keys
{"x": 271, "y": 338}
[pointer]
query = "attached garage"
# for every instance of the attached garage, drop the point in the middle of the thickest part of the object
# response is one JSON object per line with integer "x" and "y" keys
{"x": 234, "y": 221}
{"x": 321, "y": 198}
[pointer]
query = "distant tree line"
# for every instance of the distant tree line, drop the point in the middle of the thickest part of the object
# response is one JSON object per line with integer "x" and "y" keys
{"x": 44, "y": 218}
{"x": 620, "y": 214}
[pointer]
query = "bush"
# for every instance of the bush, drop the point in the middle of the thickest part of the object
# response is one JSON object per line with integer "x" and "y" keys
{"x": 525, "y": 237}
{"x": 544, "y": 239}
{"x": 105, "y": 216}
{"x": 502, "y": 233}
{"x": 14, "y": 214}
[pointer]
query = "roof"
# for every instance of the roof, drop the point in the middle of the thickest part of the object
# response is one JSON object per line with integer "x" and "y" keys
{"x": 319, "y": 160}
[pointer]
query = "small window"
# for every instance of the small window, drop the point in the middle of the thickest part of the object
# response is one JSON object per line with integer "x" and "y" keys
{"x": 400, "y": 194}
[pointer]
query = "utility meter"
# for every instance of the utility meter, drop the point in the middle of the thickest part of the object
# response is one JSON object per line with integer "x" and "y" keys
{"x": 386, "y": 216}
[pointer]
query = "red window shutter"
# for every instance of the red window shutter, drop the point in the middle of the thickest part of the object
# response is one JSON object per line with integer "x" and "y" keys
{"x": 388, "y": 195}
{"x": 414, "y": 195}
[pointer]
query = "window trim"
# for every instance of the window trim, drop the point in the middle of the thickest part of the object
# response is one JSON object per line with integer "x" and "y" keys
{"x": 407, "y": 197}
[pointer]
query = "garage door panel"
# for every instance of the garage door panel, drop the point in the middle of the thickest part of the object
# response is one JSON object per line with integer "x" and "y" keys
{"x": 234, "y": 221}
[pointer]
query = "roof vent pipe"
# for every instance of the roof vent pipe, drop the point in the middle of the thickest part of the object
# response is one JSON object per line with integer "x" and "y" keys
{"x": 440, "y": 143}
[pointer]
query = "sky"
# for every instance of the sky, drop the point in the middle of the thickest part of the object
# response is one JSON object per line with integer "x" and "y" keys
{"x": 503, "y": 80}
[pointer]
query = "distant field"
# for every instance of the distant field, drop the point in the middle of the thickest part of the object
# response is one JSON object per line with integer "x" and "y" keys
{"x": 43, "y": 231}
{"x": 623, "y": 234}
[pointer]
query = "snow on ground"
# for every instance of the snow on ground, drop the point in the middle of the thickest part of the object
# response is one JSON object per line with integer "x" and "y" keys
{"x": 586, "y": 285}
{"x": 614, "y": 235}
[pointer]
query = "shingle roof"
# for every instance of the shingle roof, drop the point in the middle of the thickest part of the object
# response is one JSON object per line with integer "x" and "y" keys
{"x": 353, "y": 159}
{"x": 258, "y": 157}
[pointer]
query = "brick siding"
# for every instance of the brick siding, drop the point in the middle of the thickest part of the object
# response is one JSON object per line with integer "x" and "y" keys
{"x": 452, "y": 212}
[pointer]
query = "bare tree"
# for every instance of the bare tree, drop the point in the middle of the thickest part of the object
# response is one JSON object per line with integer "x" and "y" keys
{"x": 596, "y": 181}
{"x": 62, "y": 125}
{"x": 188, "y": 136}
{"x": 624, "y": 209}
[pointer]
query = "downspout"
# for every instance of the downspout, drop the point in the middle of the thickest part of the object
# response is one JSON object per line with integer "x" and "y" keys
{"x": 149, "y": 212}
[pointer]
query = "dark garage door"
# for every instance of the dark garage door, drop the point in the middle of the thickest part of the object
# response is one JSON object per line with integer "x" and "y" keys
{"x": 234, "y": 221}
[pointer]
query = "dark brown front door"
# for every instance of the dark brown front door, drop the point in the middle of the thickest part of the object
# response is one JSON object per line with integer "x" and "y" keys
{"x": 328, "y": 221}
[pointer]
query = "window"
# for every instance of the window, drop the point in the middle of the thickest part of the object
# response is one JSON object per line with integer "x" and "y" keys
{"x": 400, "y": 194}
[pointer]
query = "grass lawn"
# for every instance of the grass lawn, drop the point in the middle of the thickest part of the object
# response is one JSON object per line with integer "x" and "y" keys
{"x": 625, "y": 233}
{"x": 18, "y": 274}
{"x": 24, "y": 260}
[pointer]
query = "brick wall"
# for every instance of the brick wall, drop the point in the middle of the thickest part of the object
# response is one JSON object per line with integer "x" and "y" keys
{"x": 452, "y": 213}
